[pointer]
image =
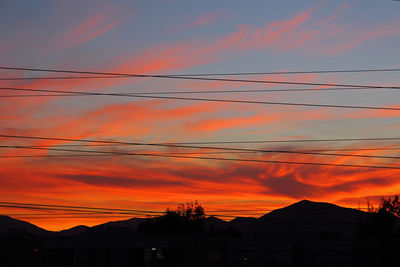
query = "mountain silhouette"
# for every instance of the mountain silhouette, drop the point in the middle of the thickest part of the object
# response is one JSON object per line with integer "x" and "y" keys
{"x": 74, "y": 230}
{"x": 308, "y": 220}
{"x": 132, "y": 224}
{"x": 313, "y": 212}
{"x": 10, "y": 225}
{"x": 305, "y": 233}
{"x": 305, "y": 212}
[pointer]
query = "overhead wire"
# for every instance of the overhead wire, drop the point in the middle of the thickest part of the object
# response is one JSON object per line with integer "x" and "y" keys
{"x": 175, "y": 146}
{"x": 93, "y": 212}
{"x": 73, "y": 208}
{"x": 218, "y": 148}
{"x": 206, "y": 99}
{"x": 197, "y": 92}
{"x": 214, "y": 158}
{"x": 97, "y": 210}
{"x": 173, "y": 153}
{"x": 184, "y": 77}
{"x": 59, "y": 78}
{"x": 300, "y": 150}
{"x": 221, "y": 74}
{"x": 203, "y": 142}
{"x": 179, "y": 153}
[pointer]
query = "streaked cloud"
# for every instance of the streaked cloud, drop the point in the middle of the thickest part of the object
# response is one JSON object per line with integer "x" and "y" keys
{"x": 88, "y": 29}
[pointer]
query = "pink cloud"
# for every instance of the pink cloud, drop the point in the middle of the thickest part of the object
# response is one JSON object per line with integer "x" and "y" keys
{"x": 87, "y": 30}
{"x": 187, "y": 53}
{"x": 273, "y": 33}
{"x": 346, "y": 40}
{"x": 205, "y": 19}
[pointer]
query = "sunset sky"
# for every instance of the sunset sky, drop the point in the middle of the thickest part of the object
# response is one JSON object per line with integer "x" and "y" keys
{"x": 192, "y": 37}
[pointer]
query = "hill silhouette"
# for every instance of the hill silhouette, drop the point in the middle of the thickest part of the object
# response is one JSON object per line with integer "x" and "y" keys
{"x": 74, "y": 230}
{"x": 131, "y": 223}
{"x": 305, "y": 233}
{"x": 313, "y": 212}
{"x": 10, "y": 225}
{"x": 300, "y": 213}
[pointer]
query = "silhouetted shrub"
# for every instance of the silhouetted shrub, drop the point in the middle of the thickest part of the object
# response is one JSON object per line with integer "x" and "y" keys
{"x": 377, "y": 233}
{"x": 187, "y": 219}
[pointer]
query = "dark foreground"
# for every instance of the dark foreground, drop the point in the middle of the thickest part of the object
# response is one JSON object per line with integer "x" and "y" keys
{"x": 303, "y": 234}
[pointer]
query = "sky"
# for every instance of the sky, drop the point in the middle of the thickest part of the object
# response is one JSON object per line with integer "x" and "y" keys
{"x": 192, "y": 37}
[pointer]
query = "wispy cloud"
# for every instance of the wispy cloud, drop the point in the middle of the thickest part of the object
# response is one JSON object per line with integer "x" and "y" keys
{"x": 204, "y": 19}
{"x": 87, "y": 30}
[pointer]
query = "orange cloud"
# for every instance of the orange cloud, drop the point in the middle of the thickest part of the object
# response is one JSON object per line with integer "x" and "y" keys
{"x": 129, "y": 182}
{"x": 137, "y": 120}
{"x": 211, "y": 125}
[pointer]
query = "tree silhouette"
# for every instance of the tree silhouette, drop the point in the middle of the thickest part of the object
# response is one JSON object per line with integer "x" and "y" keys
{"x": 187, "y": 219}
{"x": 377, "y": 233}
{"x": 191, "y": 211}
{"x": 390, "y": 206}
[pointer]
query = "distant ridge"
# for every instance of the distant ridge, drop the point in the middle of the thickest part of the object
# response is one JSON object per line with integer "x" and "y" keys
{"x": 131, "y": 223}
{"x": 11, "y": 225}
{"x": 302, "y": 212}
{"x": 74, "y": 230}
{"x": 306, "y": 210}
{"x": 244, "y": 220}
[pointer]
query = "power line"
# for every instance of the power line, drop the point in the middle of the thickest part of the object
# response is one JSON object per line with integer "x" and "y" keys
{"x": 174, "y": 145}
{"x": 300, "y": 150}
{"x": 28, "y": 216}
{"x": 213, "y": 158}
{"x": 176, "y": 153}
{"x": 202, "y": 92}
{"x": 59, "y": 213}
{"x": 75, "y": 207}
{"x": 184, "y": 77}
{"x": 102, "y": 155}
{"x": 222, "y": 148}
{"x": 205, "y": 99}
{"x": 98, "y": 209}
{"x": 110, "y": 142}
{"x": 51, "y": 156}
{"x": 51, "y": 216}
{"x": 37, "y": 95}
{"x": 83, "y": 209}
{"x": 69, "y": 209}
{"x": 93, "y": 212}
{"x": 217, "y": 74}
{"x": 290, "y": 72}
{"x": 289, "y": 141}
{"x": 60, "y": 78}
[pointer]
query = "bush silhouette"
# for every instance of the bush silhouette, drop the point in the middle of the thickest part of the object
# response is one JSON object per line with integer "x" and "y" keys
{"x": 187, "y": 219}
{"x": 377, "y": 233}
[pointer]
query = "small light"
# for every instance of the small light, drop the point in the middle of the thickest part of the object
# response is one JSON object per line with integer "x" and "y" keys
{"x": 35, "y": 250}
{"x": 245, "y": 259}
{"x": 153, "y": 249}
